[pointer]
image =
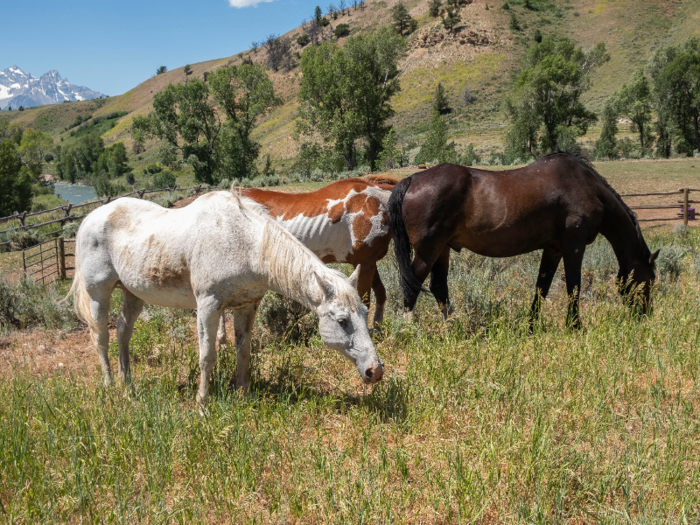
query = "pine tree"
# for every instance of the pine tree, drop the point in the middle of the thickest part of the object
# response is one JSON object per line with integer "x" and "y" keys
{"x": 401, "y": 17}
{"x": 436, "y": 148}
{"x": 434, "y": 8}
{"x": 318, "y": 15}
{"x": 451, "y": 18}
{"x": 440, "y": 102}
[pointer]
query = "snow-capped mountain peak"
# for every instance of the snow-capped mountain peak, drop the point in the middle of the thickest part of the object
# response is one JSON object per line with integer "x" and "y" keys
{"x": 18, "y": 88}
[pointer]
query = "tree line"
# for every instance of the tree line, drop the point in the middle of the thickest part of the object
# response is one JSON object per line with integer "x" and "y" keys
{"x": 661, "y": 101}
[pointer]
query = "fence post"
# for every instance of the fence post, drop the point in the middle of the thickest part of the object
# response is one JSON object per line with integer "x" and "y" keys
{"x": 685, "y": 206}
{"x": 61, "y": 258}
{"x": 66, "y": 212}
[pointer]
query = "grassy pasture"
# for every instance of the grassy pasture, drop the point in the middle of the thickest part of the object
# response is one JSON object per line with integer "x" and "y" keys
{"x": 475, "y": 421}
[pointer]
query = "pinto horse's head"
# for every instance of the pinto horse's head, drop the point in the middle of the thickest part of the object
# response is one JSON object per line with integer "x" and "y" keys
{"x": 343, "y": 325}
{"x": 635, "y": 284}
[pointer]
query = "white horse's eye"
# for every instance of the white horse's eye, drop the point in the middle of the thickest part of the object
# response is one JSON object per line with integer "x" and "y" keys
{"x": 343, "y": 321}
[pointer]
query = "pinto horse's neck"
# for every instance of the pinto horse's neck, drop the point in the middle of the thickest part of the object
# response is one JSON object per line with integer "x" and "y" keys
{"x": 621, "y": 232}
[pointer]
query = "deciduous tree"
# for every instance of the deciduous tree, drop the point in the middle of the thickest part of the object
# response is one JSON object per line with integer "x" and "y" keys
{"x": 210, "y": 123}
{"x": 544, "y": 106}
{"x": 346, "y": 92}
{"x": 634, "y": 101}
{"x": 675, "y": 71}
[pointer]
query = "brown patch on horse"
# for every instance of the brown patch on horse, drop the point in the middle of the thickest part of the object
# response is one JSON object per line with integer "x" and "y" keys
{"x": 355, "y": 203}
{"x": 163, "y": 273}
{"x": 361, "y": 227}
{"x": 336, "y": 213}
{"x": 371, "y": 207}
{"x": 120, "y": 219}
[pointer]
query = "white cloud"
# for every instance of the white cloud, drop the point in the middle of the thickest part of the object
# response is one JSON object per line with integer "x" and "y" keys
{"x": 246, "y": 3}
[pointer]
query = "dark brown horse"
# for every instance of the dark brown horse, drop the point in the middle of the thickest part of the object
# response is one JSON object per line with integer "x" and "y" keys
{"x": 558, "y": 204}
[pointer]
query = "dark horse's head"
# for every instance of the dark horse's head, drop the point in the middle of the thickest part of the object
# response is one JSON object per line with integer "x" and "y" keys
{"x": 636, "y": 280}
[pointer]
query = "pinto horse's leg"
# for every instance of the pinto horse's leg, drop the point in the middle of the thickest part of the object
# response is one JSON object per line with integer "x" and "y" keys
{"x": 438, "y": 282}
{"x": 207, "y": 322}
{"x": 364, "y": 282}
{"x": 243, "y": 319}
{"x": 131, "y": 309}
{"x": 548, "y": 267}
{"x": 573, "y": 258}
{"x": 380, "y": 297}
{"x": 221, "y": 332}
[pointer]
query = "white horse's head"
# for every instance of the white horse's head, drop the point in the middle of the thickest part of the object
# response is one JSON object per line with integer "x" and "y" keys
{"x": 343, "y": 325}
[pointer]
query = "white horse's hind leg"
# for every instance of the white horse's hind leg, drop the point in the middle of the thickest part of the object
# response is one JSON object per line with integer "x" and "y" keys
{"x": 207, "y": 322}
{"x": 221, "y": 332}
{"x": 99, "y": 310}
{"x": 131, "y": 309}
{"x": 243, "y": 319}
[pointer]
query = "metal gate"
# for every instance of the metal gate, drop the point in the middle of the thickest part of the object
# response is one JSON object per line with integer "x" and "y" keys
{"x": 49, "y": 261}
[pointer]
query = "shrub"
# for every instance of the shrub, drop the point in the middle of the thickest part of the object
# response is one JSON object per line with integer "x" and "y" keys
{"x": 342, "y": 30}
{"x": 514, "y": 23}
{"x": 163, "y": 179}
{"x": 70, "y": 230}
{"x": 25, "y": 304}
{"x": 470, "y": 157}
{"x": 153, "y": 168}
{"x": 303, "y": 39}
{"x": 20, "y": 239}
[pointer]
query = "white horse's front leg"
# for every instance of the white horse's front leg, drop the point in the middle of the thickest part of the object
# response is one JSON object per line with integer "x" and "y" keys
{"x": 207, "y": 322}
{"x": 243, "y": 319}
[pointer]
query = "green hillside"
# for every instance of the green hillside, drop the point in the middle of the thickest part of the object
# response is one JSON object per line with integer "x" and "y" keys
{"x": 482, "y": 58}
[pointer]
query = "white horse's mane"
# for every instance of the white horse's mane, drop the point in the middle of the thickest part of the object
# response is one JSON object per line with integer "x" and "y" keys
{"x": 290, "y": 265}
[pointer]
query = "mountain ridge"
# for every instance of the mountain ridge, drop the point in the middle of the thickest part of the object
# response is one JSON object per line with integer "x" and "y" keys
{"x": 18, "y": 88}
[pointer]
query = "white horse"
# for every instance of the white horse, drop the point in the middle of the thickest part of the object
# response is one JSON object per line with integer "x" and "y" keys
{"x": 222, "y": 251}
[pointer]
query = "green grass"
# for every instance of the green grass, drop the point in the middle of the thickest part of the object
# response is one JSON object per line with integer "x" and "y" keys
{"x": 475, "y": 421}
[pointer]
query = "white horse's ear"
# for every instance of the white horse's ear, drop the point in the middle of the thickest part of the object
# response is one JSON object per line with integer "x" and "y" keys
{"x": 653, "y": 256}
{"x": 327, "y": 289}
{"x": 355, "y": 277}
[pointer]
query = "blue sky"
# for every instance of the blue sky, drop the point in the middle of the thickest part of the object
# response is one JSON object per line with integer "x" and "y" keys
{"x": 113, "y": 46}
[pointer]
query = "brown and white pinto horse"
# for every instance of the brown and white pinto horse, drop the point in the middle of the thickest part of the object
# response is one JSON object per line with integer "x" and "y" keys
{"x": 346, "y": 221}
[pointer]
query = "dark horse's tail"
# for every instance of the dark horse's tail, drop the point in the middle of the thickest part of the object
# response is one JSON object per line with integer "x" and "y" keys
{"x": 410, "y": 284}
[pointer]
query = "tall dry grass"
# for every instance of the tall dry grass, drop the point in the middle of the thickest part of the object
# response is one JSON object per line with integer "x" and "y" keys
{"x": 476, "y": 420}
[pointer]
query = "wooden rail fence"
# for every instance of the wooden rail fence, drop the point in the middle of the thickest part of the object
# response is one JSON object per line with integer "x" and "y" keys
{"x": 49, "y": 260}
{"x": 67, "y": 210}
{"x": 682, "y": 205}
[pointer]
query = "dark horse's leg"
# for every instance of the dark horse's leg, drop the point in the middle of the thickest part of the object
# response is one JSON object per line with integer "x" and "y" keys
{"x": 548, "y": 267}
{"x": 438, "y": 281}
{"x": 421, "y": 268}
{"x": 573, "y": 257}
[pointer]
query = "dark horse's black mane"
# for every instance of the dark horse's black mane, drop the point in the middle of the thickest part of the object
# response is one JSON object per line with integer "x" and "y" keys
{"x": 577, "y": 155}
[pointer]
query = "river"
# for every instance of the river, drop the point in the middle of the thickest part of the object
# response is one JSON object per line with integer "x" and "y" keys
{"x": 74, "y": 193}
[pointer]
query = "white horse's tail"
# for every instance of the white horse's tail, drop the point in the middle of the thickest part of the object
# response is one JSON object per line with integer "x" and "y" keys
{"x": 81, "y": 299}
